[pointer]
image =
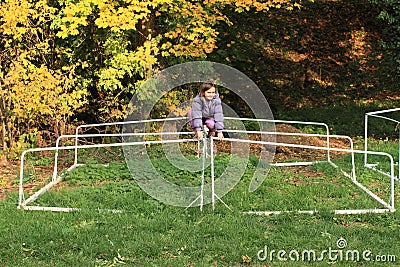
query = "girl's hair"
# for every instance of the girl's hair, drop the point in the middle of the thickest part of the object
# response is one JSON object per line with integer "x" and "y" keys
{"x": 206, "y": 86}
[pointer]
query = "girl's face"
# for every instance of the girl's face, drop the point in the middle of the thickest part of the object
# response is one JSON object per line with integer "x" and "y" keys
{"x": 210, "y": 93}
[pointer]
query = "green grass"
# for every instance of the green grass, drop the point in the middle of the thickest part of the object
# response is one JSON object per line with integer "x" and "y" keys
{"x": 150, "y": 233}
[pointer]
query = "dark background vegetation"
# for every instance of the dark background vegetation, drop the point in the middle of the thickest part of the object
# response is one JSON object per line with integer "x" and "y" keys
{"x": 325, "y": 62}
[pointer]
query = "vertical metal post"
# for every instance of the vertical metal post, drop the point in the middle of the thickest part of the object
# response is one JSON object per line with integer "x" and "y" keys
{"x": 21, "y": 179}
{"x": 76, "y": 145}
{"x": 55, "y": 170}
{"x": 365, "y": 139}
{"x": 398, "y": 157}
{"x": 353, "y": 162}
{"x": 212, "y": 172}
{"x": 392, "y": 183}
{"x": 203, "y": 158}
{"x": 327, "y": 143}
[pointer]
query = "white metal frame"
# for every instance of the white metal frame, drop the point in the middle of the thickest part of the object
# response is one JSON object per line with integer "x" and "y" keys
{"x": 81, "y": 127}
{"x": 389, "y": 206}
{"x": 377, "y": 114}
{"x": 23, "y": 203}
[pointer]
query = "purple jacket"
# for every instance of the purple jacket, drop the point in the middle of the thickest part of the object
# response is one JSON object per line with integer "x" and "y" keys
{"x": 213, "y": 109}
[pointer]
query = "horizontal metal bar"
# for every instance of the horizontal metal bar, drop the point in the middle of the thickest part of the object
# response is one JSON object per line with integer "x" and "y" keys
{"x": 289, "y": 134}
{"x": 385, "y": 118}
{"x": 122, "y": 134}
{"x": 354, "y": 211}
{"x": 306, "y": 146}
{"x": 60, "y": 209}
{"x": 382, "y": 111}
{"x": 297, "y": 163}
{"x": 277, "y": 121}
{"x": 110, "y": 145}
{"x": 129, "y": 122}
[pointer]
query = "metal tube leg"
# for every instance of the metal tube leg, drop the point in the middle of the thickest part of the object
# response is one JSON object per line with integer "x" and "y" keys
{"x": 212, "y": 172}
{"x": 203, "y": 158}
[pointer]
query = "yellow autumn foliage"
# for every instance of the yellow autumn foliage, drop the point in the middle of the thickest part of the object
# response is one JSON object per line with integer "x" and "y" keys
{"x": 43, "y": 68}
{"x": 32, "y": 95}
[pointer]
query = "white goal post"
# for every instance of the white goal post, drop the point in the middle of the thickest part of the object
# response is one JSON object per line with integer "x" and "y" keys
{"x": 388, "y": 205}
{"x": 380, "y": 115}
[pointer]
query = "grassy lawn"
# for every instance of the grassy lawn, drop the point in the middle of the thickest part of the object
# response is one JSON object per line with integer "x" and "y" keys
{"x": 150, "y": 233}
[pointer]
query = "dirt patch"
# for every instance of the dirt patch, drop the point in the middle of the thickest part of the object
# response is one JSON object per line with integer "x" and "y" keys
{"x": 285, "y": 152}
{"x": 9, "y": 177}
{"x": 291, "y": 135}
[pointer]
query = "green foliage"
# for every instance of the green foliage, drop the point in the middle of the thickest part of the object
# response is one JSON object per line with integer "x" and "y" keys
{"x": 390, "y": 15}
{"x": 322, "y": 59}
{"x": 38, "y": 93}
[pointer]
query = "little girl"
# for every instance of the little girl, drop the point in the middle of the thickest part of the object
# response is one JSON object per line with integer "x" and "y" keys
{"x": 207, "y": 109}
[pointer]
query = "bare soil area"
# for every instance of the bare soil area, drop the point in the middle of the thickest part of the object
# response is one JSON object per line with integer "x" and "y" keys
{"x": 283, "y": 153}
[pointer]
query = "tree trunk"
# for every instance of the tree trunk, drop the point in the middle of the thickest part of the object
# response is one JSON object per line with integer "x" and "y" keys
{"x": 3, "y": 133}
{"x": 3, "y": 124}
{"x": 10, "y": 136}
{"x": 146, "y": 28}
